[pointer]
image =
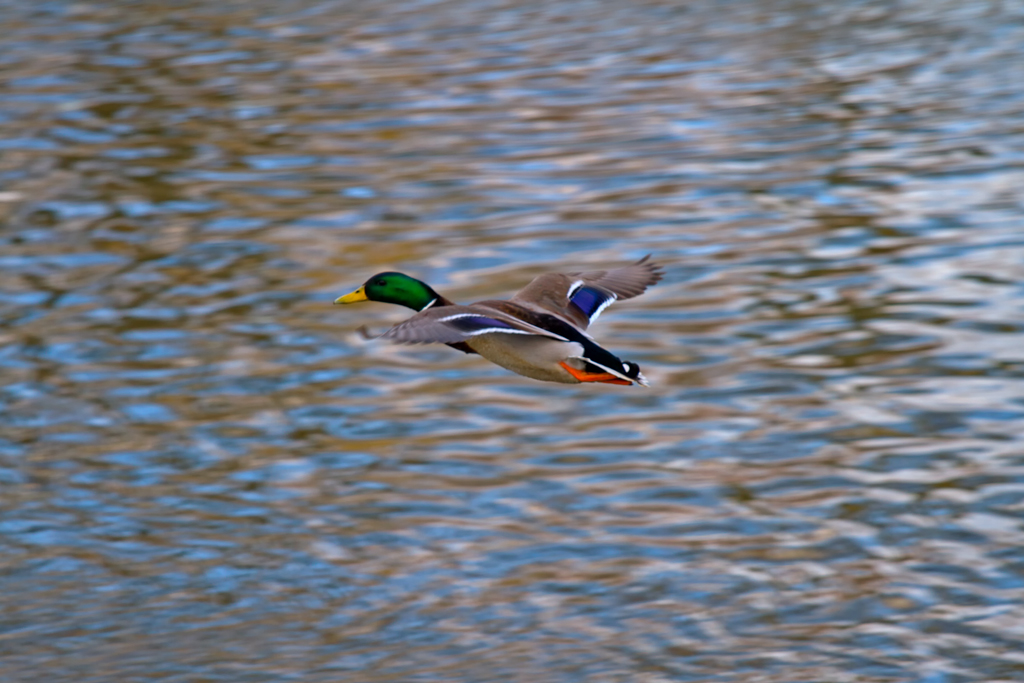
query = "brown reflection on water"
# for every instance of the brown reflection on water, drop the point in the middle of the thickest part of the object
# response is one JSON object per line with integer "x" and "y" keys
{"x": 206, "y": 474}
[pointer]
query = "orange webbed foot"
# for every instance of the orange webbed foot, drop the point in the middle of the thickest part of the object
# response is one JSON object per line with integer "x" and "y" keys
{"x": 602, "y": 377}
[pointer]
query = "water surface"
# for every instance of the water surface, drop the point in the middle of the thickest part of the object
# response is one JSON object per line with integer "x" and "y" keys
{"x": 207, "y": 475}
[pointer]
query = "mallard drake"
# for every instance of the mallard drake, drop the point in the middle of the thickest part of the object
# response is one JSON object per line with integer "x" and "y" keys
{"x": 540, "y": 333}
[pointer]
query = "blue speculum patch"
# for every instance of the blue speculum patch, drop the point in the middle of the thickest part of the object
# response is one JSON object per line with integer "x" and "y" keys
{"x": 589, "y": 300}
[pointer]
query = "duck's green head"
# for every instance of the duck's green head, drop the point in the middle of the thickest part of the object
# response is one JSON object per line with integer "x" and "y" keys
{"x": 393, "y": 288}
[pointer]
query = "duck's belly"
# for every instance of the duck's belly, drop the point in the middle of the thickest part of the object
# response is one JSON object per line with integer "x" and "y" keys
{"x": 533, "y": 357}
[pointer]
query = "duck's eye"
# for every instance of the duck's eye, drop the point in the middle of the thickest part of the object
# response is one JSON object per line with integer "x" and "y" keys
{"x": 380, "y": 282}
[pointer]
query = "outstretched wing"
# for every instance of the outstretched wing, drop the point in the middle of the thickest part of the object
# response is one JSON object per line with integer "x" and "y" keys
{"x": 581, "y": 297}
{"x": 452, "y": 324}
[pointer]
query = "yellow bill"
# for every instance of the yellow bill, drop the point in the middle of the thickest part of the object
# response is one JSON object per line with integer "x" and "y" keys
{"x": 354, "y": 297}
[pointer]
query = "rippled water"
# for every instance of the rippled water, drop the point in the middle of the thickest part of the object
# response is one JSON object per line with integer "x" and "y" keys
{"x": 207, "y": 475}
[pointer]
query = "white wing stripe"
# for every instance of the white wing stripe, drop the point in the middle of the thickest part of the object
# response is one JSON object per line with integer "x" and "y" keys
{"x": 505, "y": 330}
{"x": 573, "y": 288}
{"x": 600, "y": 309}
{"x": 461, "y": 315}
